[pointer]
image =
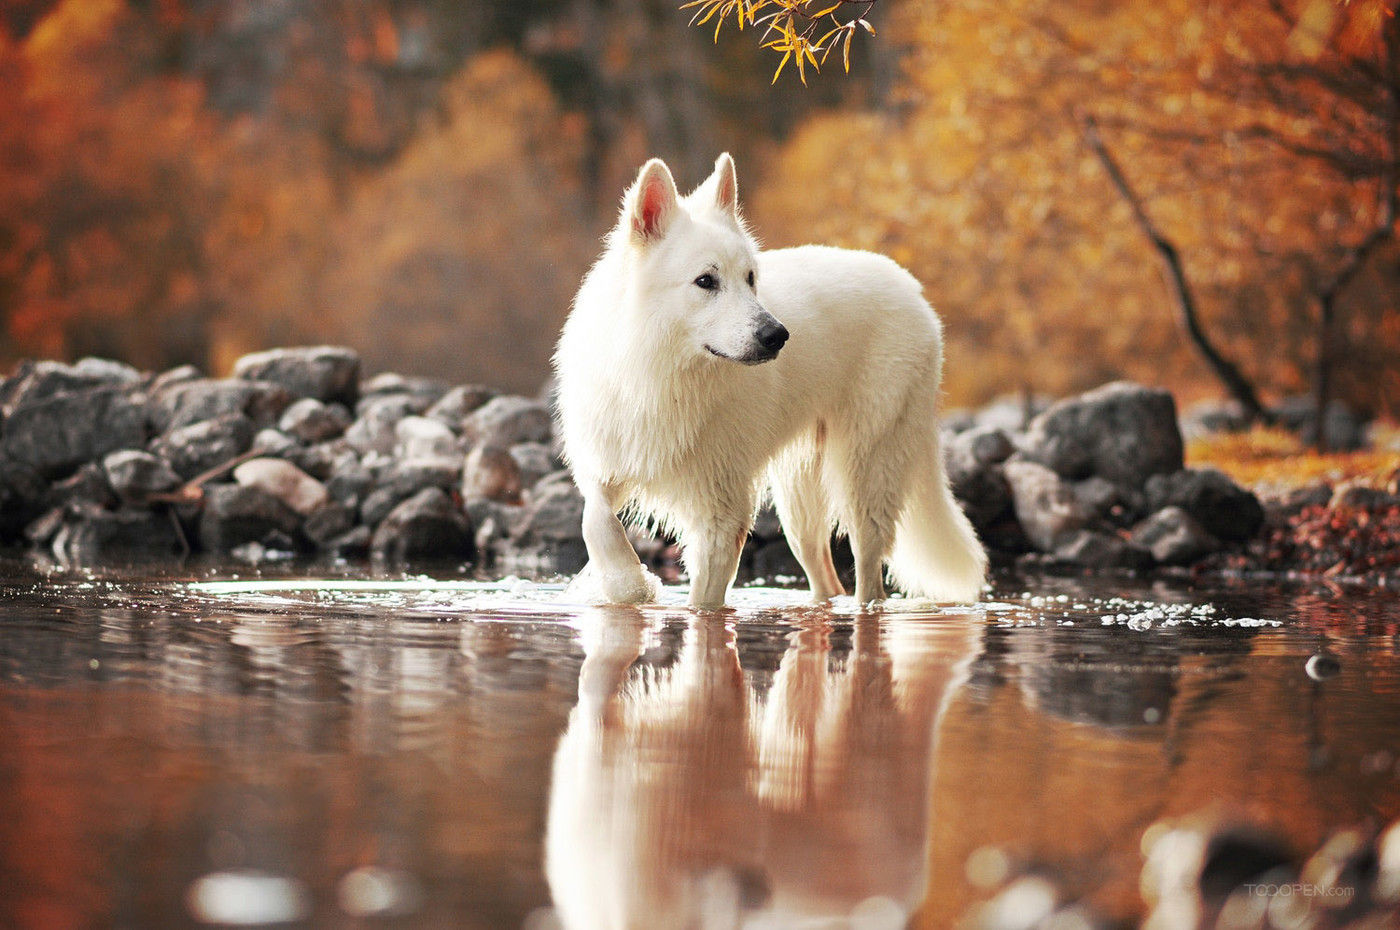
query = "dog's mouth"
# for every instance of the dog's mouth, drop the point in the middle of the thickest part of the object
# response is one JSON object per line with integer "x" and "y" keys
{"x": 756, "y": 357}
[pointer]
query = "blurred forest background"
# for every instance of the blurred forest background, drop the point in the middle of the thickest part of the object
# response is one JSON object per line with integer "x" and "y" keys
{"x": 426, "y": 180}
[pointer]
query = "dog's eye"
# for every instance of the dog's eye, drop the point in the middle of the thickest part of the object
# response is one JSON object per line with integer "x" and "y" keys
{"x": 751, "y": 279}
{"x": 706, "y": 282}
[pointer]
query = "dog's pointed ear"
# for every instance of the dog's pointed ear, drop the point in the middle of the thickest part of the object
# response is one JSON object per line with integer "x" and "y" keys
{"x": 652, "y": 203}
{"x": 725, "y": 184}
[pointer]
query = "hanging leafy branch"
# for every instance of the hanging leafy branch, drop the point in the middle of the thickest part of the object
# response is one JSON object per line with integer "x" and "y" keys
{"x": 791, "y": 27}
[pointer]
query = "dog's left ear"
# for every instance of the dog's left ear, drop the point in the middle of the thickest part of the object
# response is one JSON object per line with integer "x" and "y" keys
{"x": 725, "y": 185}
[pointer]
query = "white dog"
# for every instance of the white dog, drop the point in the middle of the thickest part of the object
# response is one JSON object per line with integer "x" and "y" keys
{"x": 694, "y": 370}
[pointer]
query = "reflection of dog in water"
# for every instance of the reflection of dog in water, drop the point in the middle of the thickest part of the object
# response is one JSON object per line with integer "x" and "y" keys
{"x": 682, "y": 799}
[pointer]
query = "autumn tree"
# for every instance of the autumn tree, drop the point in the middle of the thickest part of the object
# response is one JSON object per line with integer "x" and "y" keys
{"x": 1256, "y": 136}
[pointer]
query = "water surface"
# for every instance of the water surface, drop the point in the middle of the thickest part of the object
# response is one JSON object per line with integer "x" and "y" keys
{"x": 306, "y": 750}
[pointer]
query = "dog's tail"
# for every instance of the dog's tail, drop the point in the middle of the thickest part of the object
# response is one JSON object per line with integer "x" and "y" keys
{"x": 936, "y": 551}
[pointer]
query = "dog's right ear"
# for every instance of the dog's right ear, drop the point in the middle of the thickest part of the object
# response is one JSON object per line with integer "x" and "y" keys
{"x": 651, "y": 204}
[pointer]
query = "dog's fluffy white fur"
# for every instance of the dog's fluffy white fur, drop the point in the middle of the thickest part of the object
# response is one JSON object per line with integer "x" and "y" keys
{"x": 696, "y": 372}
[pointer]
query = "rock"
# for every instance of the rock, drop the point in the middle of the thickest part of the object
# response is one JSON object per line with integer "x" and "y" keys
{"x": 324, "y": 459}
{"x": 87, "y": 485}
{"x": 1112, "y": 502}
{"x": 1226, "y": 510}
{"x": 22, "y": 492}
{"x": 284, "y": 481}
{"x": 491, "y": 473}
{"x": 983, "y": 492}
{"x": 1174, "y": 537}
{"x": 418, "y": 393}
{"x": 34, "y": 382}
{"x": 550, "y": 528}
{"x": 134, "y": 475}
{"x": 535, "y": 460}
{"x": 326, "y": 373}
{"x": 328, "y": 524}
{"x": 427, "y": 525}
{"x": 1094, "y": 549}
{"x": 235, "y": 515}
{"x": 1045, "y": 506}
{"x": 509, "y": 419}
{"x": 195, "y": 449}
{"x": 972, "y": 459}
{"x": 1122, "y": 431}
{"x": 57, "y": 434}
{"x": 276, "y": 444}
{"x": 311, "y": 421}
{"x": 189, "y": 402}
{"x": 353, "y": 542}
{"x": 375, "y": 428}
{"x": 459, "y": 403}
{"x": 92, "y": 535}
{"x": 492, "y": 522}
{"x": 401, "y": 481}
{"x": 424, "y": 438}
{"x": 981, "y": 445}
{"x": 350, "y": 485}
{"x": 106, "y": 370}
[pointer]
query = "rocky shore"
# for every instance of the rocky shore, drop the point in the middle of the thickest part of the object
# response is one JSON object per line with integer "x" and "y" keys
{"x": 297, "y": 453}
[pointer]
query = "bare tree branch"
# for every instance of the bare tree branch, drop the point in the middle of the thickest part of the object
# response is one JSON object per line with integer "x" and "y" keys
{"x": 1175, "y": 276}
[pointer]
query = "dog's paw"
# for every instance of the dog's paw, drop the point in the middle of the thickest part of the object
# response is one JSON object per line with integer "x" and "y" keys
{"x": 632, "y": 585}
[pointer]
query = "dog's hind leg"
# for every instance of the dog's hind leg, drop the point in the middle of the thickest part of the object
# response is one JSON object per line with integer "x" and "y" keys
{"x": 871, "y": 482}
{"x": 799, "y": 496}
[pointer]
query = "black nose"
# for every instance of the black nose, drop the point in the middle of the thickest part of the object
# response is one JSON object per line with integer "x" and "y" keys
{"x": 771, "y": 335}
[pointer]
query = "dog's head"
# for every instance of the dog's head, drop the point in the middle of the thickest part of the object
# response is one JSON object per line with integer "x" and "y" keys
{"x": 694, "y": 261}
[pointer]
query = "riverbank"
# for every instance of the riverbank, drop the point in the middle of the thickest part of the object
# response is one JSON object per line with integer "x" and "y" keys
{"x": 296, "y": 452}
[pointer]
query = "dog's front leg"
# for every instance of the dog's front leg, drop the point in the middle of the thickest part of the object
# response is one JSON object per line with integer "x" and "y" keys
{"x": 712, "y": 558}
{"x": 613, "y": 559}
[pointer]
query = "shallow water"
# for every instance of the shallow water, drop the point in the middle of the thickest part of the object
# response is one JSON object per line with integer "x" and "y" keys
{"x": 430, "y": 753}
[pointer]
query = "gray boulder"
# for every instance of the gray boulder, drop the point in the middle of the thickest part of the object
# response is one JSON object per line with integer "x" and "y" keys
{"x": 375, "y": 426}
{"x": 507, "y": 420}
{"x": 235, "y": 515}
{"x": 535, "y": 460}
{"x": 22, "y": 492}
{"x": 36, "y": 381}
{"x": 311, "y": 421}
{"x": 327, "y": 373}
{"x": 1226, "y": 510}
{"x": 1094, "y": 549}
{"x": 188, "y": 402}
{"x": 1122, "y": 431}
{"x": 134, "y": 475}
{"x": 208, "y": 444}
{"x": 1174, "y": 537}
{"x": 428, "y": 525}
{"x": 92, "y": 535}
{"x": 60, "y": 432}
{"x": 550, "y": 528}
{"x": 491, "y": 473}
{"x": 284, "y": 481}
{"x": 458, "y": 404}
{"x": 418, "y": 393}
{"x": 1046, "y": 506}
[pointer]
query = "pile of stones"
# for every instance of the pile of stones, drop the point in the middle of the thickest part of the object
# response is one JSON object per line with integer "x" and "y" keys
{"x": 1098, "y": 480}
{"x": 296, "y": 453}
{"x": 293, "y": 453}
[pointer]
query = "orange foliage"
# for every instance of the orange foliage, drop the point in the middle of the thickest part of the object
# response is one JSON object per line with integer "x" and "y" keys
{"x": 1250, "y": 134}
